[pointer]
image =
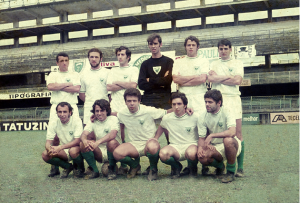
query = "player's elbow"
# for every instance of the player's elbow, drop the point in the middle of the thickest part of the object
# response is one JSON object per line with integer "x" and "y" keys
{"x": 109, "y": 88}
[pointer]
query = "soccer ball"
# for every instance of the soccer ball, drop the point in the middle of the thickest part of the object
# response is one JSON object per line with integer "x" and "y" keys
{"x": 104, "y": 169}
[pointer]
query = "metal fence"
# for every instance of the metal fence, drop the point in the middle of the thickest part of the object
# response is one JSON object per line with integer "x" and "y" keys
{"x": 266, "y": 104}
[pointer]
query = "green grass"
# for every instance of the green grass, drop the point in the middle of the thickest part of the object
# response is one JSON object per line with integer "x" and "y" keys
{"x": 271, "y": 167}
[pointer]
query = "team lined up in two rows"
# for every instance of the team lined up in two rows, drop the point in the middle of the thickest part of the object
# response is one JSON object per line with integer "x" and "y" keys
{"x": 210, "y": 134}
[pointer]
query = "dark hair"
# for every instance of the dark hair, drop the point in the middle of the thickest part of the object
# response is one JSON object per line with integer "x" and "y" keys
{"x": 180, "y": 95}
{"x": 128, "y": 52}
{"x": 61, "y": 54}
{"x": 215, "y": 95}
{"x": 224, "y": 42}
{"x": 152, "y": 37}
{"x": 103, "y": 104}
{"x": 192, "y": 38}
{"x": 62, "y": 104}
{"x": 95, "y": 50}
{"x": 133, "y": 92}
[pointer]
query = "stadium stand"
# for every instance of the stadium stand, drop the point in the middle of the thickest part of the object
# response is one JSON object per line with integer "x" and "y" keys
{"x": 24, "y": 66}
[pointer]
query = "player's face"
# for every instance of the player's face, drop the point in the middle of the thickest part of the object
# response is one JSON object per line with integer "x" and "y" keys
{"x": 95, "y": 59}
{"x": 122, "y": 58}
{"x": 212, "y": 106}
{"x": 178, "y": 106}
{"x": 224, "y": 52}
{"x": 63, "y": 63}
{"x": 191, "y": 48}
{"x": 100, "y": 114}
{"x": 154, "y": 46}
{"x": 132, "y": 103}
{"x": 63, "y": 114}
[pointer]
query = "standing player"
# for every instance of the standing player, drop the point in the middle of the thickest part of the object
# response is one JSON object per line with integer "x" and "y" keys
{"x": 183, "y": 134}
{"x": 190, "y": 73}
{"x": 139, "y": 122}
{"x": 105, "y": 128}
{"x": 226, "y": 75}
{"x": 120, "y": 79}
{"x": 68, "y": 128}
{"x": 217, "y": 140}
{"x": 155, "y": 76}
{"x": 93, "y": 83}
{"x": 64, "y": 85}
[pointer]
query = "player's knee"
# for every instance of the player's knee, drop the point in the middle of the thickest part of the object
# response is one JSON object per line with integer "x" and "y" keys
{"x": 117, "y": 154}
{"x": 228, "y": 141}
{"x": 164, "y": 155}
{"x": 74, "y": 152}
{"x": 45, "y": 156}
{"x": 112, "y": 145}
{"x": 153, "y": 146}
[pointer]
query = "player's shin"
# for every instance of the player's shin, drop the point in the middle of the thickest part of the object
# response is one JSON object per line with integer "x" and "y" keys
{"x": 90, "y": 159}
{"x": 153, "y": 159}
{"x": 79, "y": 162}
{"x": 111, "y": 160}
{"x": 59, "y": 162}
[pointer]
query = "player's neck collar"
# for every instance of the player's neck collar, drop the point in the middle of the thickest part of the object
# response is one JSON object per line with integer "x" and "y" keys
{"x": 218, "y": 111}
{"x": 136, "y": 111}
{"x": 190, "y": 57}
{"x": 180, "y": 116}
{"x": 226, "y": 60}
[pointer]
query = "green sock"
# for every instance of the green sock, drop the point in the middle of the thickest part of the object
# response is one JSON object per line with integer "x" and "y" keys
{"x": 153, "y": 159}
{"x": 56, "y": 167}
{"x": 111, "y": 159}
{"x": 231, "y": 167}
{"x": 90, "y": 159}
{"x": 192, "y": 164}
{"x": 59, "y": 162}
{"x": 123, "y": 165}
{"x": 132, "y": 163}
{"x": 217, "y": 164}
{"x": 240, "y": 158}
{"x": 171, "y": 161}
{"x": 79, "y": 161}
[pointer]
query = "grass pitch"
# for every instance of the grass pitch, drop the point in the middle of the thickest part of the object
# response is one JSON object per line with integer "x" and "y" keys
{"x": 271, "y": 174}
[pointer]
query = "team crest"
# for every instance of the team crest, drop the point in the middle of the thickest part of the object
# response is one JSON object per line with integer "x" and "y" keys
{"x": 188, "y": 129}
{"x": 125, "y": 76}
{"x": 156, "y": 69}
{"x": 230, "y": 69}
{"x": 106, "y": 130}
{"x": 220, "y": 124}
{"x": 79, "y": 65}
{"x": 101, "y": 79}
{"x": 196, "y": 67}
{"x": 71, "y": 133}
{"x": 68, "y": 79}
{"x": 141, "y": 121}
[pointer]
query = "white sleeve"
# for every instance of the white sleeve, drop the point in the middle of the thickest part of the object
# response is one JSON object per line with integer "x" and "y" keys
{"x": 115, "y": 125}
{"x": 82, "y": 87}
{"x": 51, "y": 78}
{"x": 201, "y": 125}
{"x": 76, "y": 79}
{"x": 51, "y": 131}
{"x": 110, "y": 78}
{"x": 135, "y": 75}
{"x": 89, "y": 126}
{"x": 156, "y": 113}
{"x": 78, "y": 128}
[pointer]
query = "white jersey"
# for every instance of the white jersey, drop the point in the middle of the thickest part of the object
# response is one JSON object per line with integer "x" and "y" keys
{"x": 123, "y": 74}
{"x": 140, "y": 125}
{"x": 227, "y": 67}
{"x": 102, "y": 128}
{"x": 215, "y": 123}
{"x": 65, "y": 132}
{"x": 63, "y": 77}
{"x": 182, "y": 130}
{"x": 93, "y": 84}
{"x": 189, "y": 66}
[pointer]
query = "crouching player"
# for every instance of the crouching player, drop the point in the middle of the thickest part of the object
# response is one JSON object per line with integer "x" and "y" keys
{"x": 68, "y": 129}
{"x": 139, "y": 122}
{"x": 105, "y": 128}
{"x": 183, "y": 135}
{"x": 217, "y": 140}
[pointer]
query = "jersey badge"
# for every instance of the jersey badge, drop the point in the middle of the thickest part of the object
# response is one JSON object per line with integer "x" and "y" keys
{"x": 125, "y": 76}
{"x": 101, "y": 79}
{"x": 141, "y": 121}
{"x": 188, "y": 129}
{"x": 71, "y": 133}
{"x": 106, "y": 130}
{"x": 230, "y": 69}
{"x": 68, "y": 79}
{"x": 220, "y": 124}
{"x": 156, "y": 69}
{"x": 196, "y": 67}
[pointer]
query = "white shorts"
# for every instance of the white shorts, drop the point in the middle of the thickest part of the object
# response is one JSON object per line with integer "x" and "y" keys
{"x": 87, "y": 113}
{"x": 139, "y": 146}
{"x": 181, "y": 148}
{"x": 53, "y": 114}
{"x": 68, "y": 154}
{"x": 221, "y": 149}
{"x": 103, "y": 149}
{"x": 233, "y": 104}
{"x": 196, "y": 102}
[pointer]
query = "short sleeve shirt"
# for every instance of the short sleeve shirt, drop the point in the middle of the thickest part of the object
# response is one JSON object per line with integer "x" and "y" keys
{"x": 227, "y": 67}
{"x": 63, "y": 77}
{"x": 189, "y": 66}
{"x": 182, "y": 130}
{"x": 65, "y": 132}
{"x": 215, "y": 123}
{"x": 140, "y": 125}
